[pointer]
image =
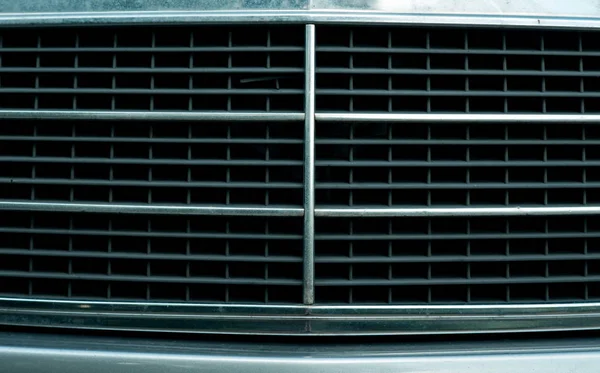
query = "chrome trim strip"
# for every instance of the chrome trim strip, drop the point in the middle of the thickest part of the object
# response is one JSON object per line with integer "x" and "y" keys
{"x": 309, "y": 168}
{"x": 299, "y": 320}
{"x": 119, "y": 208}
{"x": 148, "y": 115}
{"x": 459, "y": 211}
{"x": 459, "y": 118}
{"x": 297, "y": 16}
{"x": 489, "y": 8}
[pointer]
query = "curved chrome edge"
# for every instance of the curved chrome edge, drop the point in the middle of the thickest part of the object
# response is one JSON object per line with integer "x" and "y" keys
{"x": 250, "y": 16}
{"x": 148, "y": 115}
{"x": 464, "y": 211}
{"x": 299, "y": 320}
{"x": 459, "y": 118}
{"x": 150, "y": 209}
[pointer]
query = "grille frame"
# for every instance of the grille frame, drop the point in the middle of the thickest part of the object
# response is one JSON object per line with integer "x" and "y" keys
{"x": 302, "y": 319}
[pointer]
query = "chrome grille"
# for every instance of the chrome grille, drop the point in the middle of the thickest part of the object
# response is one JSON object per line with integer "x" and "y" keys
{"x": 319, "y": 172}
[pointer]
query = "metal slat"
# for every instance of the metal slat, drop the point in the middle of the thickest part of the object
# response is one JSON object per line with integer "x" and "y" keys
{"x": 157, "y": 140}
{"x": 155, "y": 91}
{"x": 449, "y": 93}
{"x": 125, "y": 116}
{"x": 148, "y": 279}
{"x": 153, "y": 183}
{"x": 458, "y": 211}
{"x": 451, "y": 236}
{"x": 481, "y": 258}
{"x": 152, "y": 70}
{"x": 457, "y": 51}
{"x": 154, "y": 161}
{"x": 456, "y": 186}
{"x": 126, "y": 233}
{"x": 457, "y": 142}
{"x": 230, "y": 49}
{"x": 457, "y": 281}
{"x": 309, "y": 167}
{"x": 152, "y": 256}
{"x": 441, "y": 163}
{"x": 150, "y": 209}
{"x": 454, "y": 72}
{"x": 459, "y": 118}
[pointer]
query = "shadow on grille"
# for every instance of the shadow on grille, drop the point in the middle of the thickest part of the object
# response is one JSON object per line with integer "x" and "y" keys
{"x": 457, "y": 260}
{"x": 220, "y": 259}
{"x": 216, "y": 68}
{"x": 442, "y": 164}
{"x": 411, "y": 69}
{"x": 152, "y": 162}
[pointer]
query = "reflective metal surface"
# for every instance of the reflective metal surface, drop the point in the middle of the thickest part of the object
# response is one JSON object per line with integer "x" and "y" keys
{"x": 149, "y": 209}
{"x": 459, "y": 211}
{"x": 309, "y": 169}
{"x": 460, "y": 118}
{"x": 581, "y": 8}
{"x": 545, "y": 13}
{"x": 69, "y": 354}
{"x": 299, "y": 320}
{"x": 147, "y": 115}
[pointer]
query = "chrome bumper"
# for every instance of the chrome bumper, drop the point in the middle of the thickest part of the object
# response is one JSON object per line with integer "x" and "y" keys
{"x": 68, "y": 354}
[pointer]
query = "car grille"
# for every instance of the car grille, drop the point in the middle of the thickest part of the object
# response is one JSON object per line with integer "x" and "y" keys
{"x": 174, "y": 165}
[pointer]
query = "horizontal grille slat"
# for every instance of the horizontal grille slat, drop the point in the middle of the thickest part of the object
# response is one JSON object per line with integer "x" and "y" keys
{"x": 238, "y": 68}
{"x": 166, "y": 184}
{"x": 205, "y": 162}
{"x": 146, "y": 279}
{"x": 125, "y": 233}
{"x": 456, "y": 258}
{"x": 159, "y": 70}
{"x": 175, "y": 257}
{"x": 482, "y": 72}
{"x": 515, "y": 52}
{"x": 231, "y": 49}
{"x": 421, "y": 186}
{"x": 453, "y": 281}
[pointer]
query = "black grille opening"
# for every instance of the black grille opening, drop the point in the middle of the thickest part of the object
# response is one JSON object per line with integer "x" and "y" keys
{"x": 150, "y": 257}
{"x": 457, "y": 260}
{"x": 388, "y": 164}
{"x": 199, "y": 68}
{"x": 152, "y": 162}
{"x": 447, "y": 70}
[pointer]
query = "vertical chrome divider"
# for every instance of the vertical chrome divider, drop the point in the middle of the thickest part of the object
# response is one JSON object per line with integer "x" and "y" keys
{"x": 309, "y": 168}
